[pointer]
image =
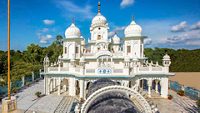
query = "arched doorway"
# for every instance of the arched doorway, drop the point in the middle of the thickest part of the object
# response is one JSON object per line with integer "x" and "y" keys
{"x": 142, "y": 104}
{"x": 143, "y": 84}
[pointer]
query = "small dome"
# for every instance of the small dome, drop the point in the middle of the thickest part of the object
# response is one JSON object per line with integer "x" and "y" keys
{"x": 72, "y": 31}
{"x": 133, "y": 30}
{"x": 116, "y": 39}
{"x": 99, "y": 20}
{"x": 166, "y": 57}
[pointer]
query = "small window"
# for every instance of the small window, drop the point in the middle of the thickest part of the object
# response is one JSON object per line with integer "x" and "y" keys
{"x": 99, "y": 37}
{"x": 65, "y": 50}
{"x": 76, "y": 49}
{"x": 99, "y": 28}
{"x": 128, "y": 49}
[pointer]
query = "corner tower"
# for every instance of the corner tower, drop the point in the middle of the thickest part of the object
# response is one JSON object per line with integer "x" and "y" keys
{"x": 134, "y": 41}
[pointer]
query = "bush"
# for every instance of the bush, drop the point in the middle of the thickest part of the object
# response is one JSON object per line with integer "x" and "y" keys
{"x": 181, "y": 93}
{"x": 28, "y": 84}
{"x": 38, "y": 94}
{"x": 14, "y": 90}
{"x": 170, "y": 97}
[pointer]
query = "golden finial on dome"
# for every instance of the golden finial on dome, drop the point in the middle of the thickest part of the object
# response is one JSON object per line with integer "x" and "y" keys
{"x": 73, "y": 20}
{"x": 99, "y": 7}
{"x": 133, "y": 18}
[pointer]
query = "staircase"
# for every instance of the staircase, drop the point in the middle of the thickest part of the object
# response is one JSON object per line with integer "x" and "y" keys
{"x": 65, "y": 105}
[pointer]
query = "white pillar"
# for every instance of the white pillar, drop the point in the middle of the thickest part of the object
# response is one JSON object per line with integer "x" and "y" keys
{"x": 48, "y": 89}
{"x": 149, "y": 87}
{"x": 52, "y": 85}
{"x": 45, "y": 85}
{"x": 59, "y": 82}
{"x": 164, "y": 87}
{"x": 137, "y": 82}
{"x": 156, "y": 87}
{"x": 40, "y": 73}
{"x": 82, "y": 90}
{"x": 72, "y": 87}
{"x": 64, "y": 88}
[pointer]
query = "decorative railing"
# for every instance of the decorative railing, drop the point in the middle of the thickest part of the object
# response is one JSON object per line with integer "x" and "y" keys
{"x": 143, "y": 68}
{"x": 156, "y": 68}
{"x": 150, "y": 69}
{"x": 53, "y": 69}
{"x": 64, "y": 69}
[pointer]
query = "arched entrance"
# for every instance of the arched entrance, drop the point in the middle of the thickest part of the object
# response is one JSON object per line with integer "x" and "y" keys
{"x": 141, "y": 102}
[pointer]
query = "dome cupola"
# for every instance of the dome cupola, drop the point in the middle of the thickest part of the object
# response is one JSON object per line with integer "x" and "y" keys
{"x": 99, "y": 19}
{"x": 72, "y": 31}
{"x": 133, "y": 30}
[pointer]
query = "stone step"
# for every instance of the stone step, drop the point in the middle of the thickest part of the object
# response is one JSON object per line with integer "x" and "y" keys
{"x": 65, "y": 105}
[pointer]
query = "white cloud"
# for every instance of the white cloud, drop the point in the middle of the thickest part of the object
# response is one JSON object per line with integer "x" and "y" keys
{"x": 48, "y": 22}
{"x": 72, "y": 10}
{"x": 115, "y": 30}
{"x": 187, "y": 38}
{"x": 193, "y": 43}
{"x": 147, "y": 41}
{"x": 196, "y": 26}
{"x": 126, "y": 3}
{"x": 44, "y": 39}
{"x": 180, "y": 27}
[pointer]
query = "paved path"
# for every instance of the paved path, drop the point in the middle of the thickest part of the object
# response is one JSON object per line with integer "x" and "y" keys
{"x": 65, "y": 105}
{"x": 177, "y": 105}
{"x": 27, "y": 102}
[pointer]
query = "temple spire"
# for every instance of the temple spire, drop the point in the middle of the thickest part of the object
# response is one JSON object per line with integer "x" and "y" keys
{"x": 133, "y": 18}
{"x": 73, "y": 20}
{"x": 99, "y": 7}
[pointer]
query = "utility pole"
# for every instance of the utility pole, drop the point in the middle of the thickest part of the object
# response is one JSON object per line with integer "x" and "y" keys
{"x": 8, "y": 49}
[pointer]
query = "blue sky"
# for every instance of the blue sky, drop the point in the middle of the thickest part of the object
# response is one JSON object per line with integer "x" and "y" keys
{"x": 167, "y": 23}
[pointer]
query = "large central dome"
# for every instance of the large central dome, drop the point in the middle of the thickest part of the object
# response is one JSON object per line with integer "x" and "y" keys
{"x": 99, "y": 19}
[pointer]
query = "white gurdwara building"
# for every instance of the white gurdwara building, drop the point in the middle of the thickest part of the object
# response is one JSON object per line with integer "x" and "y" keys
{"x": 119, "y": 59}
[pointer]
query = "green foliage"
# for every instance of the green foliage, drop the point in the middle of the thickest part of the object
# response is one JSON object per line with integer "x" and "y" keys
{"x": 182, "y": 60}
{"x": 181, "y": 93}
{"x": 170, "y": 97}
{"x": 23, "y": 63}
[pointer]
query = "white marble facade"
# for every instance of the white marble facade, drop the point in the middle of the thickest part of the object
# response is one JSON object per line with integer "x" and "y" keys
{"x": 120, "y": 59}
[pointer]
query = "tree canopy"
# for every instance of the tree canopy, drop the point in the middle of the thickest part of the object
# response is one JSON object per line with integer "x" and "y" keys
{"x": 23, "y": 63}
